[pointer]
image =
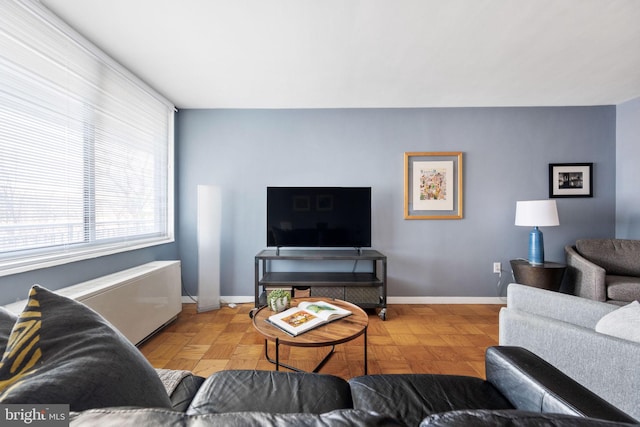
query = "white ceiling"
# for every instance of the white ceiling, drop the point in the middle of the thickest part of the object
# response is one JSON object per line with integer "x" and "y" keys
{"x": 371, "y": 53}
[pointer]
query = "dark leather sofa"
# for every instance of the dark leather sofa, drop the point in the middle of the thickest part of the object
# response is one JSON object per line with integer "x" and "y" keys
{"x": 520, "y": 390}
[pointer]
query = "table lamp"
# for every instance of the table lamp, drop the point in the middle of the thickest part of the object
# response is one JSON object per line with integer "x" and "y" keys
{"x": 536, "y": 213}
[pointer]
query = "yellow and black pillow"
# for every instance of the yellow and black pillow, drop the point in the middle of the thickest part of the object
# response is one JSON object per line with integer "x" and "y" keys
{"x": 61, "y": 351}
{"x": 22, "y": 351}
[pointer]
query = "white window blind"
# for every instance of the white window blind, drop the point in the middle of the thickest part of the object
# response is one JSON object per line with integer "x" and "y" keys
{"x": 86, "y": 149}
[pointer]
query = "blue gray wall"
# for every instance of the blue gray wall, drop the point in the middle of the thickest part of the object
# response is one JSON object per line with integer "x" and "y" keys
{"x": 506, "y": 157}
{"x": 627, "y": 171}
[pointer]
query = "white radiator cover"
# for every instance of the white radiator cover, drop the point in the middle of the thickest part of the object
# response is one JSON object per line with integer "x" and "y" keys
{"x": 137, "y": 301}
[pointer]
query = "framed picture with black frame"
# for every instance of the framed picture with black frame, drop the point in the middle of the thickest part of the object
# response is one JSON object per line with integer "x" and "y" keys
{"x": 570, "y": 180}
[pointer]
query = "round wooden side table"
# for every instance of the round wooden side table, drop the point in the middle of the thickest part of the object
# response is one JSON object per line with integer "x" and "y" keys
{"x": 545, "y": 276}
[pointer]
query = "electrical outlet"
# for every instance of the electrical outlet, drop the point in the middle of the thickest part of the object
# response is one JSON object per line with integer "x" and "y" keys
{"x": 497, "y": 267}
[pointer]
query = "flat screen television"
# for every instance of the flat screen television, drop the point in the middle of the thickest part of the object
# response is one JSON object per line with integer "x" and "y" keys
{"x": 319, "y": 217}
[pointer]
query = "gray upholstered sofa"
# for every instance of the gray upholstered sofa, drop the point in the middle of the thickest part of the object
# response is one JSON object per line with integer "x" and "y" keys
{"x": 604, "y": 269}
{"x": 560, "y": 328}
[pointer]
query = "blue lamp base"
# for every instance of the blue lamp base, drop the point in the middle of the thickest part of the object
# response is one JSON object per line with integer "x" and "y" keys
{"x": 536, "y": 247}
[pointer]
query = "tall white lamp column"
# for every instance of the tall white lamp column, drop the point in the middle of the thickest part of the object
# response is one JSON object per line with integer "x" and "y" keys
{"x": 208, "y": 233}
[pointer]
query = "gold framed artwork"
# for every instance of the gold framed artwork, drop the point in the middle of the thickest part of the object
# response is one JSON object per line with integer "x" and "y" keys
{"x": 433, "y": 185}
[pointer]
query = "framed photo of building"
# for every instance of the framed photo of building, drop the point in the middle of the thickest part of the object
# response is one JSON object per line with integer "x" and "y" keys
{"x": 433, "y": 185}
{"x": 570, "y": 180}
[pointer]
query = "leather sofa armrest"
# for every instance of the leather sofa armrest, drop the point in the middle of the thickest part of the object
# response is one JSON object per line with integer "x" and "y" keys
{"x": 588, "y": 278}
{"x": 532, "y": 384}
{"x": 512, "y": 418}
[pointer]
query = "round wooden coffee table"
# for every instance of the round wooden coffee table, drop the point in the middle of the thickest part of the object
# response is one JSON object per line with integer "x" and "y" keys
{"x": 330, "y": 334}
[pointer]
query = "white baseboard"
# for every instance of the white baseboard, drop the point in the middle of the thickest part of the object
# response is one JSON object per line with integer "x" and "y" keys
{"x": 390, "y": 300}
{"x": 446, "y": 300}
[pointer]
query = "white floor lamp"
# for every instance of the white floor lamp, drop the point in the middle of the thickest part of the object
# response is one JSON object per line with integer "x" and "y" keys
{"x": 209, "y": 225}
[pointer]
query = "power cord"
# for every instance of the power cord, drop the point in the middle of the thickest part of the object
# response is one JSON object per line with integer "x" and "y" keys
{"x": 499, "y": 286}
{"x": 184, "y": 290}
{"x": 222, "y": 302}
{"x": 513, "y": 279}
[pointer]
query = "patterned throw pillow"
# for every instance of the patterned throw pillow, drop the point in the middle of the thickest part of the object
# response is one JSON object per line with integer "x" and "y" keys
{"x": 61, "y": 351}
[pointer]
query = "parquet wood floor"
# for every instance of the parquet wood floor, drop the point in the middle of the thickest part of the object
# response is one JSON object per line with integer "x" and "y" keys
{"x": 438, "y": 338}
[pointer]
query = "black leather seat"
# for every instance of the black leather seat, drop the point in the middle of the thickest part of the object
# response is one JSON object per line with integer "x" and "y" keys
{"x": 271, "y": 391}
{"x": 516, "y": 379}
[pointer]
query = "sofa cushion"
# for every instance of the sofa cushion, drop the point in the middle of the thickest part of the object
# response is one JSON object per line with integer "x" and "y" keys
{"x": 127, "y": 417}
{"x": 411, "y": 397}
{"x": 622, "y": 288}
{"x": 61, "y": 351}
{"x": 617, "y": 256}
{"x": 7, "y": 320}
{"x": 622, "y": 323}
{"x": 278, "y": 391}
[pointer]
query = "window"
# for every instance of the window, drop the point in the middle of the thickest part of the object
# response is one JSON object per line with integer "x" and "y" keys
{"x": 86, "y": 149}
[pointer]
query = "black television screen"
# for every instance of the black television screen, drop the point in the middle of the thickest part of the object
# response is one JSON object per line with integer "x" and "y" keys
{"x": 319, "y": 216}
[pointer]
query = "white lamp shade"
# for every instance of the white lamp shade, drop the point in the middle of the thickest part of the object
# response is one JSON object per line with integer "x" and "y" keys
{"x": 537, "y": 213}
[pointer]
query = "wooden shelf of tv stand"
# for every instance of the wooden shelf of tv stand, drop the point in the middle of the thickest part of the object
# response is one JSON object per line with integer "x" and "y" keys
{"x": 377, "y": 278}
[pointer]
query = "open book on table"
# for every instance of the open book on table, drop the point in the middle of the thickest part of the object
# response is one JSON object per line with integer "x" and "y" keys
{"x": 307, "y": 315}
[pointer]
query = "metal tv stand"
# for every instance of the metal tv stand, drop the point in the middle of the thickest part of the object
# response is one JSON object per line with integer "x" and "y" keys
{"x": 365, "y": 289}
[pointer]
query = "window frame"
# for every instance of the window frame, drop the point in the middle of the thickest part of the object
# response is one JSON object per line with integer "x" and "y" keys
{"x": 27, "y": 260}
